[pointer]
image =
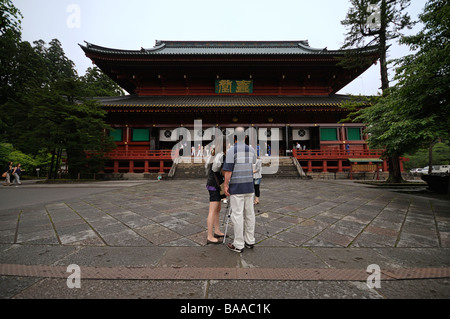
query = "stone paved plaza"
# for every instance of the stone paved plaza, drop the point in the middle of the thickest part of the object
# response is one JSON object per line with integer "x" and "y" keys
{"x": 292, "y": 213}
{"x": 301, "y": 226}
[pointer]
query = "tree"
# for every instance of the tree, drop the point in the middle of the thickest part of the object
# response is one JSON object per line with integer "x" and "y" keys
{"x": 441, "y": 156}
{"x": 415, "y": 113}
{"x": 10, "y": 36}
{"x": 46, "y": 107}
{"x": 96, "y": 83}
{"x": 424, "y": 77}
{"x": 376, "y": 22}
{"x": 10, "y": 23}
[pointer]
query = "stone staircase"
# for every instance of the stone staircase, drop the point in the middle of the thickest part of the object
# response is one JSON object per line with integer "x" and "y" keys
{"x": 187, "y": 170}
{"x": 287, "y": 168}
{"x": 134, "y": 176}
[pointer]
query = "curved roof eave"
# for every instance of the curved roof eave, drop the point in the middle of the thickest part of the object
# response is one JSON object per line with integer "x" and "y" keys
{"x": 242, "y": 48}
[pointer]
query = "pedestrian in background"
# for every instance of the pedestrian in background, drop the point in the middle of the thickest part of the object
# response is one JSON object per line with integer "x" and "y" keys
{"x": 257, "y": 175}
{"x": 17, "y": 172}
{"x": 7, "y": 173}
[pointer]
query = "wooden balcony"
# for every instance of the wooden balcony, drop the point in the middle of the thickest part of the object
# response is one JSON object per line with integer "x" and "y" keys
{"x": 142, "y": 155}
{"x": 333, "y": 160}
{"x": 140, "y": 161}
{"x": 144, "y": 161}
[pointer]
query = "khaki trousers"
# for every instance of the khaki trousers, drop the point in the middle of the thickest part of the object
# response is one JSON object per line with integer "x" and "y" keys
{"x": 243, "y": 219}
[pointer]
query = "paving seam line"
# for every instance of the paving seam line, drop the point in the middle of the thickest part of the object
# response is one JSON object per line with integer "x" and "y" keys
{"x": 196, "y": 273}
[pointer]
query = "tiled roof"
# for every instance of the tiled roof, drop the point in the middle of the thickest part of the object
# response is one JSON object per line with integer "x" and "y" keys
{"x": 221, "y": 48}
{"x": 134, "y": 101}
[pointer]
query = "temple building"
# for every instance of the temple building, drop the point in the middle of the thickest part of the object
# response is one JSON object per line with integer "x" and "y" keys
{"x": 283, "y": 86}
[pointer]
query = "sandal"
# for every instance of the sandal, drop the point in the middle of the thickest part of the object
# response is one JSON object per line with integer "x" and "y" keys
{"x": 219, "y": 236}
{"x": 213, "y": 242}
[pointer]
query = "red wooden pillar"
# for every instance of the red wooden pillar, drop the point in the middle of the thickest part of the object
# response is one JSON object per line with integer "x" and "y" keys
{"x": 146, "y": 167}
{"x": 310, "y": 166}
{"x": 340, "y": 166}
{"x": 116, "y": 166}
{"x": 324, "y": 166}
{"x": 127, "y": 137}
{"x": 342, "y": 139}
{"x": 401, "y": 166}
{"x": 385, "y": 166}
{"x": 131, "y": 168}
{"x": 161, "y": 166}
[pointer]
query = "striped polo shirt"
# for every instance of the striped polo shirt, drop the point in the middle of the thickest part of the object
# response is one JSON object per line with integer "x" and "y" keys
{"x": 239, "y": 160}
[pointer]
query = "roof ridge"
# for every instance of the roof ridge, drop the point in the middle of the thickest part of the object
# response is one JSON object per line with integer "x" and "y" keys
{"x": 233, "y": 44}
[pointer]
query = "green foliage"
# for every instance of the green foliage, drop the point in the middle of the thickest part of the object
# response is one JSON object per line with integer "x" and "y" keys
{"x": 28, "y": 163}
{"x": 441, "y": 156}
{"x": 10, "y": 20}
{"x": 393, "y": 19}
{"x": 97, "y": 83}
{"x": 415, "y": 113}
{"x": 45, "y": 106}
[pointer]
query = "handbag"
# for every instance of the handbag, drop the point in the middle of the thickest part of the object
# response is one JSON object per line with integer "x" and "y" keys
{"x": 221, "y": 186}
{"x": 4, "y": 174}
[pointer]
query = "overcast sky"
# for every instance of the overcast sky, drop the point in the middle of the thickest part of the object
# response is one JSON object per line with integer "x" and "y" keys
{"x": 133, "y": 24}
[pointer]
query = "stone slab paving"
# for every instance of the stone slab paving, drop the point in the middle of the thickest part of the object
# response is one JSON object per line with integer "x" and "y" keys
{"x": 292, "y": 213}
{"x": 301, "y": 225}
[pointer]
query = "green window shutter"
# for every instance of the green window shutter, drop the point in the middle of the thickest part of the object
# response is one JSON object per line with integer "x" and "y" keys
{"x": 141, "y": 135}
{"x": 116, "y": 134}
{"x": 353, "y": 134}
{"x": 328, "y": 134}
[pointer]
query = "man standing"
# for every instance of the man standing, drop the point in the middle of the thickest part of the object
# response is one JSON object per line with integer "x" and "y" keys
{"x": 238, "y": 169}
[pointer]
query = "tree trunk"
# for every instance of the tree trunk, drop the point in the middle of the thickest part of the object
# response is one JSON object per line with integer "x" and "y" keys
{"x": 430, "y": 158}
{"x": 395, "y": 174}
{"x": 58, "y": 162}
{"x": 383, "y": 48}
{"x": 50, "y": 171}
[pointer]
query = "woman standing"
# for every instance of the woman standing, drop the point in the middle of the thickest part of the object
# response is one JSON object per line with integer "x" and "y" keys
{"x": 17, "y": 172}
{"x": 215, "y": 179}
{"x": 8, "y": 171}
{"x": 257, "y": 175}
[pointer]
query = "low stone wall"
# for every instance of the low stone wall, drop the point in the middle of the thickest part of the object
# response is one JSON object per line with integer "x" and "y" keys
{"x": 438, "y": 183}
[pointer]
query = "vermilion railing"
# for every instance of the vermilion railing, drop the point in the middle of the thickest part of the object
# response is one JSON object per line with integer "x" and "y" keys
{"x": 312, "y": 160}
{"x": 336, "y": 154}
{"x": 142, "y": 154}
{"x": 304, "y": 154}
